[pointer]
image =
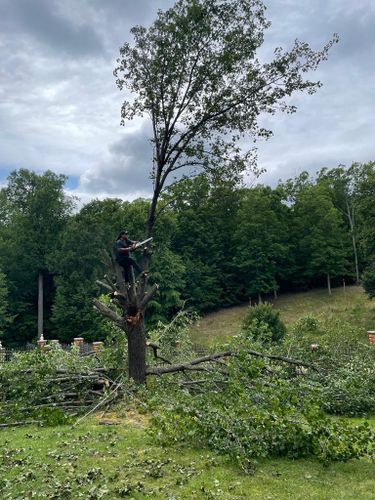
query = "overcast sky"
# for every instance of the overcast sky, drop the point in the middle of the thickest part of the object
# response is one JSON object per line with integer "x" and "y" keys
{"x": 60, "y": 107}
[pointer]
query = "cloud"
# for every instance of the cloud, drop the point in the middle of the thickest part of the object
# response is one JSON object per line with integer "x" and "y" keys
{"x": 60, "y": 108}
{"x": 126, "y": 169}
{"x": 45, "y": 22}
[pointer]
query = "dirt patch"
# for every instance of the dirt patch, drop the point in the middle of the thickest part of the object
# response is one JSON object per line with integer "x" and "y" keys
{"x": 127, "y": 418}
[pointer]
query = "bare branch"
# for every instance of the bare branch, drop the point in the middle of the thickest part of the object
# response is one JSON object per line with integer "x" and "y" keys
{"x": 155, "y": 348}
{"x": 108, "y": 313}
{"x": 191, "y": 365}
{"x": 149, "y": 295}
{"x": 104, "y": 285}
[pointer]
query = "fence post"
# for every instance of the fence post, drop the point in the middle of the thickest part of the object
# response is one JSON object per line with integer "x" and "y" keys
{"x": 97, "y": 346}
{"x": 371, "y": 336}
{"x": 42, "y": 343}
{"x": 78, "y": 342}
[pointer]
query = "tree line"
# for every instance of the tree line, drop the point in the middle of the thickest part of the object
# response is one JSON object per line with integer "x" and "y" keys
{"x": 216, "y": 243}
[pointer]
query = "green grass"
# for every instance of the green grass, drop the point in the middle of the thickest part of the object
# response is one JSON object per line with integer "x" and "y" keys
{"x": 351, "y": 305}
{"x": 95, "y": 461}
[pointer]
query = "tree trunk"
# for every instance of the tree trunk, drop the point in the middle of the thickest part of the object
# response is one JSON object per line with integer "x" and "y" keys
{"x": 275, "y": 294}
{"x": 40, "y": 304}
{"x": 354, "y": 241}
{"x": 137, "y": 351}
{"x": 329, "y": 284}
{"x": 259, "y": 298}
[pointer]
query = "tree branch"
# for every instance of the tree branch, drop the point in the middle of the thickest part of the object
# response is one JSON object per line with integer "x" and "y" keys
{"x": 149, "y": 295}
{"x": 191, "y": 365}
{"x": 108, "y": 313}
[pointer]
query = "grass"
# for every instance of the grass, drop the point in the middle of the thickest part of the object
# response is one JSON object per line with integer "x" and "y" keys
{"x": 94, "y": 461}
{"x": 352, "y": 305}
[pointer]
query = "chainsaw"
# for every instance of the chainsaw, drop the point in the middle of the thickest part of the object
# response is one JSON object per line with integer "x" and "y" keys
{"x": 141, "y": 243}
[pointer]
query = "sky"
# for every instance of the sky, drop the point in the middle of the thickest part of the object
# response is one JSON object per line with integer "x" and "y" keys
{"x": 60, "y": 107}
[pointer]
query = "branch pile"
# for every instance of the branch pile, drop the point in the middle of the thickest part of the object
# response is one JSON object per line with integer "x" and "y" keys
{"x": 43, "y": 390}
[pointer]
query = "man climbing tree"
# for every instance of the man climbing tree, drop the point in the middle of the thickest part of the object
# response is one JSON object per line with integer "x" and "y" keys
{"x": 123, "y": 248}
{"x": 196, "y": 74}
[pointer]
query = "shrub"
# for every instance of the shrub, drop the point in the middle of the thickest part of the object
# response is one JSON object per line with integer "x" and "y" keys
{"x": 264, "y": 314}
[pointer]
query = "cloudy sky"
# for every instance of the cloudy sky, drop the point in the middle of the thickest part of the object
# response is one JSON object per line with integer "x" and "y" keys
{"x": 60, "y": 108}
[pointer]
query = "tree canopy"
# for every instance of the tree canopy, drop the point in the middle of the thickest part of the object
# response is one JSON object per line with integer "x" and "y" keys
{"x": 197, "y": 75}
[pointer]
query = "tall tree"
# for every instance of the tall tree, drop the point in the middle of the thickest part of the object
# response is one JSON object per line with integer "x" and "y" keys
{"x": 196, "y": 74}
{"x": 321, "y": 237}
{"x": 342, "y": 183}
{"x": 261, "y": 248}
{"x": 34, "y": 211}
{"x": 364, "y": 195}
{"x": 5, "y": 317}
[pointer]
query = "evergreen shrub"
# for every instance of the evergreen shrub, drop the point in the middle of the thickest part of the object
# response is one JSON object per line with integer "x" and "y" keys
{"x": 264, "y": 314}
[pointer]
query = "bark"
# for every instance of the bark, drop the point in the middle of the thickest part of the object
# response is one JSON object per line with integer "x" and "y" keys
{"x": 350, "y": 216}
{"x": 137, "y": 348}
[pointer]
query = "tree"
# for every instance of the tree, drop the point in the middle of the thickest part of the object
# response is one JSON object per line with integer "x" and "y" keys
{"x": 260, "y": 249}
{"x": 5, "y": 317}
{"x": 195, "y": 73}
{"x": 342, "y": 183}
{"x": 321, "y": 238}
{"x": 205, "y": 214}
{"x": 34, "y": 209}
{"x": 364, "y": 199}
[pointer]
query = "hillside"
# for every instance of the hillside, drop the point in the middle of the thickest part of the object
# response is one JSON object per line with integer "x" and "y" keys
{"x": 351, "y": 304}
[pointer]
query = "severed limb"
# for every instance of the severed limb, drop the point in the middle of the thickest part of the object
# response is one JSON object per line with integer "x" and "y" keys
{"x": 155, "y": 348}
{"x": 192, "y": 365}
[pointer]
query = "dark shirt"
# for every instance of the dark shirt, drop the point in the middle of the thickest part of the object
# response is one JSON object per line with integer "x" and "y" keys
{"x": 122, "y": 244}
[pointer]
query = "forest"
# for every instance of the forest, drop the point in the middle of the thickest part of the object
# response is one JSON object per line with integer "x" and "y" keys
{"x": 216, "y": 244}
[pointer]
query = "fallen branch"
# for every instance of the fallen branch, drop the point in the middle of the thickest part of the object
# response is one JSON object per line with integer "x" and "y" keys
{"x": 191, "y": 365}
{"x": 155, "y": 348}
{"x": 16, "y": 424}
{"x": 106, "y": 400}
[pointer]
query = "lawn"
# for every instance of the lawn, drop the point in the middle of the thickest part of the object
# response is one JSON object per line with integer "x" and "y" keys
{"x": 351, "y": 304}
{"x": 116, "y": 458}
{"x": 99, "y": 461}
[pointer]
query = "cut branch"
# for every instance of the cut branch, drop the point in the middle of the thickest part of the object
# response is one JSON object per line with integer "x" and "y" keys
{"x": 191, "y": 365}
{"x": 155, "y": 348}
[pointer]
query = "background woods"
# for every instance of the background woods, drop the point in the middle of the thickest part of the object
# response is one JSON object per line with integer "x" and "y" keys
{"x": 215, "y": 244}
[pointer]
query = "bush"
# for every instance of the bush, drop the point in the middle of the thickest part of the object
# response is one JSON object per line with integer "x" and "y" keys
{"x": 264, "y": 314}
